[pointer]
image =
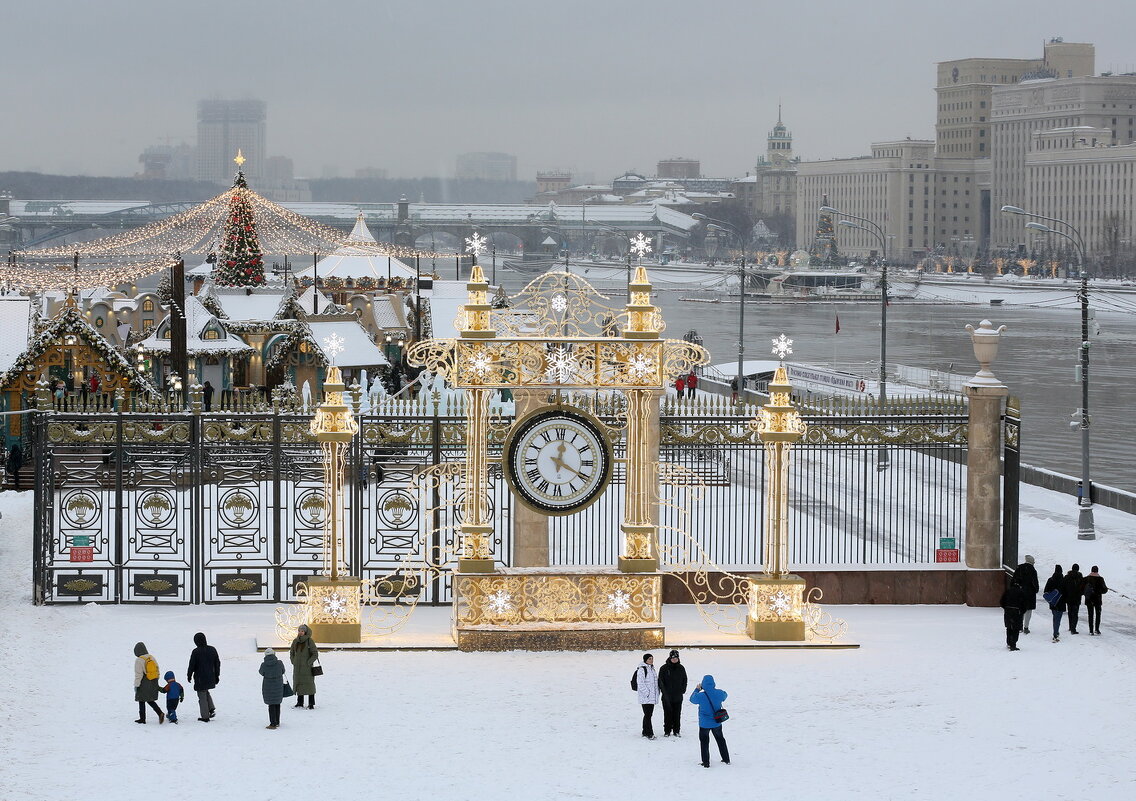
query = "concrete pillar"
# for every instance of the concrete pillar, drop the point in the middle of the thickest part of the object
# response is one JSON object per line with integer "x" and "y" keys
{"x": 530, "y": 528}
{"x": 984, "y": 477}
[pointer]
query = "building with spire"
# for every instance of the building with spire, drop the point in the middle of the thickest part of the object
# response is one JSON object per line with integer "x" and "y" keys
{"x": 771, "y": 191}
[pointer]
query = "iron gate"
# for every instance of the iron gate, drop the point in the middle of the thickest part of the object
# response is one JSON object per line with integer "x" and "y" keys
{"x": 224, "y": 506}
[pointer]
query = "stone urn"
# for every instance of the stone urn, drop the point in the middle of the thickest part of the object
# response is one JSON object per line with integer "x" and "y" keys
{"x": 985, "y": 341}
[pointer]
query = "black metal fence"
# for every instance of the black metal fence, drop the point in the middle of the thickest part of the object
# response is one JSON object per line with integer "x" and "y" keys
{"x": 226, "y": 507}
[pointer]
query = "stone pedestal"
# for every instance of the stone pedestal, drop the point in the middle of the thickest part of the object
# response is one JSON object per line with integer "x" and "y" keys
{"x": 984, "y": 476}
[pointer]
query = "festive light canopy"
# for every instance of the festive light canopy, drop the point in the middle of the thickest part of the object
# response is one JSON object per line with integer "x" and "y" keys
{"x": 123, "y": 258}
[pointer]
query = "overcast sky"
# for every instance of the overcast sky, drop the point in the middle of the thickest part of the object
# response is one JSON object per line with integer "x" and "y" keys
{"x": 599, "y": 85}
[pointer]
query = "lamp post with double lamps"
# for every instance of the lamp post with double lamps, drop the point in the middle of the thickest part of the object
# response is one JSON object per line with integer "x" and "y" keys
{"x": 1086, "y": 527}
{"x": 864, "y": 224}
{"x": 723, "y": 226}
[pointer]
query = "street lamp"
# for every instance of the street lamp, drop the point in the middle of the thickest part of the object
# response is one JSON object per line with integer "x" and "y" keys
{"x": 1086, "y": 528}
{"x": 876, "y": 231}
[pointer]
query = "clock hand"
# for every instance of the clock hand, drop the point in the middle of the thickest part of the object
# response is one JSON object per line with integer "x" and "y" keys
{"x": 562, "y": 465}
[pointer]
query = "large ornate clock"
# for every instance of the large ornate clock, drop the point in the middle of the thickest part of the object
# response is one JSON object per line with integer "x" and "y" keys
{"x": 557, "y": 461}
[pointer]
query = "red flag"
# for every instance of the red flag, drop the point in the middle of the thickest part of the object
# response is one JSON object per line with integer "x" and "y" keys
{"x": 838, "y": 323}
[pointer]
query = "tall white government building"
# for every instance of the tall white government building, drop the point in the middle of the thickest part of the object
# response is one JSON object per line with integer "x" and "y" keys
{"x": 1043, "y": 134}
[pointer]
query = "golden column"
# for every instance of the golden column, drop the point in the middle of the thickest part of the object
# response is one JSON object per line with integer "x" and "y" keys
{"x": 476, "y": 528}
{"x": 333, "y": 602}
{"x": 639, "y": 529}
{"x": 776, "y": 598}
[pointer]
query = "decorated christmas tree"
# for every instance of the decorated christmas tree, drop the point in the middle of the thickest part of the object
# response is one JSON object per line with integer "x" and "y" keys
{"x": 824, "y": 243}
{"x": 240, "y": 262}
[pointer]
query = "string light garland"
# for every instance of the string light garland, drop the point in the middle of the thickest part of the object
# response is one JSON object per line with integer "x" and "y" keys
{"x": 122, "y": 259}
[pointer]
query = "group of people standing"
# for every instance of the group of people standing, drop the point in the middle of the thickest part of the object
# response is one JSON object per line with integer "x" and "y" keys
{"x": 668, "y": 686}
{"x": 204, "y": 672}
{"x": 686, "y": 384}
{"x": 1063, "y": 592}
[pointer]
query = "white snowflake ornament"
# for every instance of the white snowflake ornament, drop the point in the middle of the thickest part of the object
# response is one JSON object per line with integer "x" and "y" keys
{"x": 500, "y": 602}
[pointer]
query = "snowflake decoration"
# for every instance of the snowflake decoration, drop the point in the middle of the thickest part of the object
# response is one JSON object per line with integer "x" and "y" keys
{"x": 780, "y": 603}
{"x": 782, "y": 346}
{"x": 333, "y": 346}
{"x": 619, "y": 601}
{"x": 641, "y": 245}
{"x": 562, "y": 366}
{"x": 481, "y": 364}
{"x": 500, "y": 602}
{"x": 475, "y": 244}
{"x": 558, "y": 303}
{"x": 335, "y": 604}
{"x": 641, "y": 366}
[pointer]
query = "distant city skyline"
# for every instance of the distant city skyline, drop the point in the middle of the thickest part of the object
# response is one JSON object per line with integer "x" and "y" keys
{"x": 609, "y": 88}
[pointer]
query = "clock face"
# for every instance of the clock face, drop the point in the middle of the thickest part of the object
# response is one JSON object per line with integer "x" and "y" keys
{"x": 557, "y": 462}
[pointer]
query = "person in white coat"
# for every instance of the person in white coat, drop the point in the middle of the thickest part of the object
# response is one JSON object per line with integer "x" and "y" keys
{"x": 647, "y": 682}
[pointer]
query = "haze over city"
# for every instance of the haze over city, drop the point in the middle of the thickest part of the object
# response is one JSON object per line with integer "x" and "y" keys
{"x": 599, "y": 87}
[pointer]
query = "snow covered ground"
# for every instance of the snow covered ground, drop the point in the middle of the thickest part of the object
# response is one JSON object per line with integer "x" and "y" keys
{"x": 931, "y": 706}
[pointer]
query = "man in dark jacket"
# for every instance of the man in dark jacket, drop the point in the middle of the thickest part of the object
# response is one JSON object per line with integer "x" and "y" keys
{"x": 1094, "y": 589}
{"x": 205, "y": 673}
{"x": 672, "y": 692}
{"x": 1026, "y": 576}
{"x": 1071, "y": 588}
{"x": 1012, "y": 603}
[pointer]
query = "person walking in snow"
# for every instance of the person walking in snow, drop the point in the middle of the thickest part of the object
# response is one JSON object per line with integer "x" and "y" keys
{"x": 303, "y": 653}
{"x": 205, "y": 673}
{"x": 272, "y": 686}
{"x": 647, "y": 687}
{"x": 1057, "y": 605}
{"x": 174, "y": 692}
{"x": 691, "y": 385}
{"x": 146, "y": 683}
{"x": 672, "y": 692}
{"x": 680, "y": 386}
{"x": 1026, "y": 576}
{"x": 709, "y": 699}
{"x": 1094, "y": 589}
{"x": 1072, "y": 587}
{"x": 1013, "y": 603}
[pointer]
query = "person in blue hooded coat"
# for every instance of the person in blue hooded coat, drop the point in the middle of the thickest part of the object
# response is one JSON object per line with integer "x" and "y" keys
{"x": 709, "y": 699}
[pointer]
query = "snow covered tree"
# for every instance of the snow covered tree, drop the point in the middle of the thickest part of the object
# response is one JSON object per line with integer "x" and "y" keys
{"x": 240, "y": 262}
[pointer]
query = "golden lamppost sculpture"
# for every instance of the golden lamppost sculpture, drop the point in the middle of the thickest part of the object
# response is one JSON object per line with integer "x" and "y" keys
{"x": 639, "y": 530}
{"x": 476, "y": 528}
{"x": 776, "y": 598}
{"x": 333, "y": 598}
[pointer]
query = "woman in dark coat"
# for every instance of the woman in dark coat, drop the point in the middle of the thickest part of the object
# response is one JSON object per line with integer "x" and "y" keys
{"x": 145, "y": 690}
{"x": 272, "y": 686}
{"x": 672, "y": 692}
{"x": 303, "y": 653}
{"x": 1058, "y": 609}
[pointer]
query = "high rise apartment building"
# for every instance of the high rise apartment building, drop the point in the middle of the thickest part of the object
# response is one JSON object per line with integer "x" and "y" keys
{"x": 486, "y": 167}
{"x": 223, "y": 128}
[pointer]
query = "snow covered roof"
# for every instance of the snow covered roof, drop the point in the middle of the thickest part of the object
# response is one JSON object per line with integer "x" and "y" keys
{"x": 322, "y": 305}
{"x": 204, "y": 333}
{"x": 445, "y": 303}
{"x": 15, "y": 316}
{"x": 358, "y": 349}
{"x": 203, "y": 270}
{"x": 388, "y": 311}
{"x": 257, "y": 305}
{"x": 357, "y": 258}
